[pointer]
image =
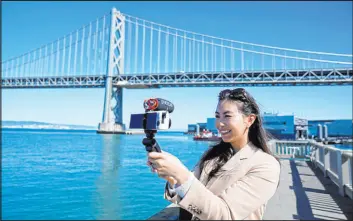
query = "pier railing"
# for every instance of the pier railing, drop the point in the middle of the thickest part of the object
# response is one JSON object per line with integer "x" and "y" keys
{"x": 336, "y": 164}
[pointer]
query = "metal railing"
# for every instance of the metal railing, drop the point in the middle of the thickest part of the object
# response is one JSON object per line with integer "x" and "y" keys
{"x": 333, "y": 162}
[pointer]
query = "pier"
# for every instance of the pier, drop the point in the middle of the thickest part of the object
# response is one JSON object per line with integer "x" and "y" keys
{"x": 315, "y": 183}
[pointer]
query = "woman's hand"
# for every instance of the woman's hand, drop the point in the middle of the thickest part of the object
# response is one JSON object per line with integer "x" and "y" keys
{"x": 170, "y": 179}
{"x": 168, "y": 166}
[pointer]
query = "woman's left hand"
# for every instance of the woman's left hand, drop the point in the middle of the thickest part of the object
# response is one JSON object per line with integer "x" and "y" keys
{"x": 167, "y": 165}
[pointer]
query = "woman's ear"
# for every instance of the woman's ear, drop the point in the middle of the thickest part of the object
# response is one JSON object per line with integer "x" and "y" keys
{"x": 250, "y": 120}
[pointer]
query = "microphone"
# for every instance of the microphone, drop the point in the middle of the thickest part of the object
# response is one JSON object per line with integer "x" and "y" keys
{"x": 158, "y": 104}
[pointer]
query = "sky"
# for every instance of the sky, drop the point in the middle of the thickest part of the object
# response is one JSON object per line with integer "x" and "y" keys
{"x": 314, "y": 26}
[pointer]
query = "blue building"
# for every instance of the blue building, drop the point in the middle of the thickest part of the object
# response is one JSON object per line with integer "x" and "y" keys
{"x": 287, "y": 127}
{"x": 335, "y": 128}
{"x": 280, "y": 127}
{"x": 290, "y": 127}
{"x": 192, "y": 127}
{"x": 203, "y": 126}
{"x": 211, "y": 125}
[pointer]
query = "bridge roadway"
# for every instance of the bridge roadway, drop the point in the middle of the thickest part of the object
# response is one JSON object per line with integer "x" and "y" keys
{"x": 208, "y": 79}
{"x": 303, "y": 194}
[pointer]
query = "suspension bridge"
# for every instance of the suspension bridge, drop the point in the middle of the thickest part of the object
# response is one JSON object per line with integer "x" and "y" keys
{"x": 118, "y": 51}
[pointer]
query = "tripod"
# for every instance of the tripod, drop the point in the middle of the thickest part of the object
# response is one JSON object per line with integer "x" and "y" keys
{"x": 150, "y": 143}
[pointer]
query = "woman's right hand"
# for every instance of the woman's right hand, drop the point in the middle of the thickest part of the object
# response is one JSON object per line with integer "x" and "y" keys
{"x": 170, "y": 179}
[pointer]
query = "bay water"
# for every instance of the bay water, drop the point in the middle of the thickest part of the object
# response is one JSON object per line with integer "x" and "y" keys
{"x": 68, "y": 175}
{"x": 84, "y": 175}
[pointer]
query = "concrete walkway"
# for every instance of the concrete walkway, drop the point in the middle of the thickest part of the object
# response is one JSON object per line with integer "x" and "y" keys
{"x": 303, "y": 194}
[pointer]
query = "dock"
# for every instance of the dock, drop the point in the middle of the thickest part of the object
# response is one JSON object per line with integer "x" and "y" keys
{"x": 305, "y": 191}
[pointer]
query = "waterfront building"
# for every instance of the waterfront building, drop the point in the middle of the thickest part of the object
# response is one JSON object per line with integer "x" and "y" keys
{"x": 193, "y": 127}
{"x": 291, "y": 127}
{"x": 335, "y": 128}
{"x": 211, "y": 125}
{"x": 287, "y": 127}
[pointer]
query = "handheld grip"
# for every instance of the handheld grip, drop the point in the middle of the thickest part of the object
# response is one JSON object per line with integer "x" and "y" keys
{"x": 151, "y": 145}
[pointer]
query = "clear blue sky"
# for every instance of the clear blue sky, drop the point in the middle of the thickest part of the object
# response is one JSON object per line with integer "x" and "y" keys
{"x": 316, "y": 26}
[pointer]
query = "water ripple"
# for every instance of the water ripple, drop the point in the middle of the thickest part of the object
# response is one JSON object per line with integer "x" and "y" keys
{"x": 48, "y": 175}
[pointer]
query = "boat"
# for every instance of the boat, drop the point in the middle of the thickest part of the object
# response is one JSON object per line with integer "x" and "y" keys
{"x": 213, "y": 138}
{"x": 348, "y": 141}
{"x": 207, "y": 136}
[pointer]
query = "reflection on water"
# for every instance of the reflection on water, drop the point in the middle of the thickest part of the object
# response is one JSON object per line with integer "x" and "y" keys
{"x": 172, "y": 138}
{"x": 66, "y": 176}
{"x": 85, "y": 175}
{"x": 108, "y": 194}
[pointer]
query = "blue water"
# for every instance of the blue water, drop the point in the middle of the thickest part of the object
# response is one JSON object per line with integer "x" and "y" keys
{"x": 84, "y": 175}
{"x": 344, "y": 146}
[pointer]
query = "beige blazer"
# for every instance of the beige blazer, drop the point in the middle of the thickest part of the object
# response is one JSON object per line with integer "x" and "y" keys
{"x": 240, "y": 193}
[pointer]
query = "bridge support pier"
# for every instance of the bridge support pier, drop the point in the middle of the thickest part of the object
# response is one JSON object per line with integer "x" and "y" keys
{"x": 111, "y": 128}
{"x": 112, "y": 113}
{"x": 112, "y": 122}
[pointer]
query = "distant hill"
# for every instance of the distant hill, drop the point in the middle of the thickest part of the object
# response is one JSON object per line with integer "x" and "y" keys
{"x": 44, "y": 125}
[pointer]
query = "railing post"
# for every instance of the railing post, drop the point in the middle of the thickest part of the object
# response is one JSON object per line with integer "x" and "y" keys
{"x": 339, "y": 173}
{"x": 313, "y": 156}
{"x": 317, "y": 154}
{"x": 274, "y": 147}
{"x": 326, "y": 161}
{"x": 342, "y": 172}
{"x": 282, "y": 148}
{"x": 270, "y": 146}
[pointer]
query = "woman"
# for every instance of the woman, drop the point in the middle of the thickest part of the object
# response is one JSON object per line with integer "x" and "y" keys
{"x": 235, "y": 178}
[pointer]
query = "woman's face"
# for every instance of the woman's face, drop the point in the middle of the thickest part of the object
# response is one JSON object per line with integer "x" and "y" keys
{"x": 230, "y": 122}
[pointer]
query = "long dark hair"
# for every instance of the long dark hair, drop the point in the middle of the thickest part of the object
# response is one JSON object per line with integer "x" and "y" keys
{"x": 223, "y": 151}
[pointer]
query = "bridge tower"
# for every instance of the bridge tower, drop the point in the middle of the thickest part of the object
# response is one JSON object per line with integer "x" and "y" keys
{"x": 112, "y": 121}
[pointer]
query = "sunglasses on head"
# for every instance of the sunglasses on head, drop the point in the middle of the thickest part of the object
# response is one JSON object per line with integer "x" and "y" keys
{"x": 235, "y": 94}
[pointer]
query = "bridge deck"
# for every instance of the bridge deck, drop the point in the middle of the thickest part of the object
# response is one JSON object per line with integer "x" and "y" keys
{"x": 306, "y": 77}
{"x": 303, "y": 194}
